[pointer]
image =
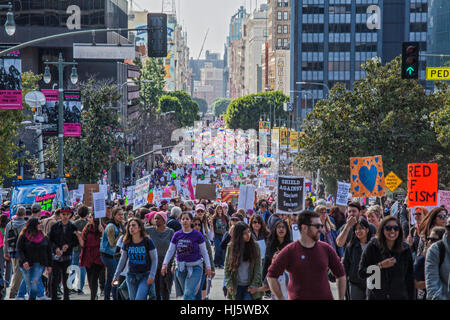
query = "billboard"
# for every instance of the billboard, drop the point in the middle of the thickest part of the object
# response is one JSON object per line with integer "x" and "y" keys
{"x": 11, "y": 81}
{"x": 72, "y": 113}
{"x": 50, "y": 112}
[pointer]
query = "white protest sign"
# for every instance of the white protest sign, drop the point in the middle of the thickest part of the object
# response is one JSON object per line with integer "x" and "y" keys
{"x": 130, "y": 192}
{"x": 98, "y": 199}
{"x": 246, "y": 197}
{"x": 103, "y": 188}
{"x": 262, "y": 247}
{"x": 394, "y": 209}
{"x": 295, "y": 232}
{"x": 342, "y": 193}
{"x": 141, "y": 192}
{"x": 81, "y": 188}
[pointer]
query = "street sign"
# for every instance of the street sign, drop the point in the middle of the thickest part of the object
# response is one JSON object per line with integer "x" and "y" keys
{"x": 392, "y": 181}
{"x": 440, "y": 73}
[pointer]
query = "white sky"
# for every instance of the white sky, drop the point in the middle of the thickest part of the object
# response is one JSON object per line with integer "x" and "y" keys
{"x": 196, "y": 16}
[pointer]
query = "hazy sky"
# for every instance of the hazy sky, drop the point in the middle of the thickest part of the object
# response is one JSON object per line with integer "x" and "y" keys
{"x": 196, "y": 16}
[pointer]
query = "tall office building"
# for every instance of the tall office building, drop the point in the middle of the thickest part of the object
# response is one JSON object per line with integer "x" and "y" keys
{"x": 332, "y": 38}
{"x": 438, "y": 32}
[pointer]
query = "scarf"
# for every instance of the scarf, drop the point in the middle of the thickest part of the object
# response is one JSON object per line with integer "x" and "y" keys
{"x": 36, "y": 239}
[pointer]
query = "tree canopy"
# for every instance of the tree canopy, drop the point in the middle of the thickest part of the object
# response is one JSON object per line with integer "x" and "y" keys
{"x": 220, "y": 106}
{"x": 202, "y": 105}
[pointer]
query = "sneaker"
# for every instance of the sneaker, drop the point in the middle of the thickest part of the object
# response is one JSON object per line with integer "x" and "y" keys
{"x": 43, "y": 298}
{"x": 80, "y": 292}
{"x": 19, "y": 298}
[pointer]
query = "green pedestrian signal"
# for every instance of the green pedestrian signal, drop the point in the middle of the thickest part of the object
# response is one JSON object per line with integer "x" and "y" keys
{"x": 410, "y": 60}
{"x": 410, "y": 70}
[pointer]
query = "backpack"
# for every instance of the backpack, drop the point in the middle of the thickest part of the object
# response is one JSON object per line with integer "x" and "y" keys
{"x": 12, "y": 237}
{"x": 441, "y": 247}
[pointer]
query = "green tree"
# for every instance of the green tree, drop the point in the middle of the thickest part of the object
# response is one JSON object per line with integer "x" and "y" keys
{"x": 220, "y": 106}
{"x": 382, "y": 115}
{"x": 168, "y": 103}
{"x": 202, "y": 105}
{"x": 189, "y": 108}
{"x": 10, "y": 121}
{"x": 245, "y": 113}
{"x": 101, "y": 144}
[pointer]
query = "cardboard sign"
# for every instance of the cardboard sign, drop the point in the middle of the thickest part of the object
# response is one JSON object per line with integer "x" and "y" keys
{"x": 11, "y": 80}
{"x": 246, "y": 197}
{"x": 342, "y": 193}
{"x": 99, "y": 204}
{"x": 290, "y": 196}
{"x": 141, "y": 192}
{"x": 392, "y": 181}
{"x": 444, "y": 199}
{"x": 89, "y": 189}
{"x": 422, "y": 184}
{"x": 205, "y": 191}
{"x": 367, "y": 177}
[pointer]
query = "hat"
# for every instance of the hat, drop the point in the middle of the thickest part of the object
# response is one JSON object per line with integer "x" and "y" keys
{"x": 250, "y": 212}
{"x": 200, "y": 207}
{"x": 163, "y": 215}
{"x": 36, "y": 207}
{"x": 149, "y": 216}
{"x": 238, "y": 216}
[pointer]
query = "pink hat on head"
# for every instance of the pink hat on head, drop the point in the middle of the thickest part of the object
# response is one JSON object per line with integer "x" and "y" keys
{"x": 163, "y": 215}
{"x": 149, "y": 216}
{"x": 200, "y": 207}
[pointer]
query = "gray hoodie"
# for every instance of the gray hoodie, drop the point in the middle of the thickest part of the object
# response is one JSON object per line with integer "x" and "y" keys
{"x": 18, "y": 224}
{"x": 437, "y": 280}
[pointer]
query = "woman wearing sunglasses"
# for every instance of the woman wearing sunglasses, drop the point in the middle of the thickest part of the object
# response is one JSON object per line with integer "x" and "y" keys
{"x": 390, "y": 262}
{"x": 435, "y": 218}
{"x": 419, "y": 266}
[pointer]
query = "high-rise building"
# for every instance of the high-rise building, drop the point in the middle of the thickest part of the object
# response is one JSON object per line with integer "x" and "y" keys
{"x": 208, "y": 77}
{"x": 279, "y": 40}
{"x": 332, "y": 38}
{"x": 255, "y": 38}
{"x": 438, "y": 32}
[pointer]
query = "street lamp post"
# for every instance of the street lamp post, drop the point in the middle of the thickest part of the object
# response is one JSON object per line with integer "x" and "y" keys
{"x": 60, "y": 64}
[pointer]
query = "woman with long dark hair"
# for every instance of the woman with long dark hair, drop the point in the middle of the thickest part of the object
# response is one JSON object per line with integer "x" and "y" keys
{"x": 435, "y": 218}
{"x": 220, "y": 226}
{"x": 90, "y": 252}
{"x": 140, "y": 253}
{"x": 393, "y": 257}
{"x": 190, "y": 246}
{"x": 243, "y": 265}
{"x": 361, "y": 236}
{"x": 35, "y": 254}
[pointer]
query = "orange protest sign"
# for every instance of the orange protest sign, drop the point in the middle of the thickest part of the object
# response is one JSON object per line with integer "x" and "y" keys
{"x": 422, "y": 184}
{"x": 367, "y": 177}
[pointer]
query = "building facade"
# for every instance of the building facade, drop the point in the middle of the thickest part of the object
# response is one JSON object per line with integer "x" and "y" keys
{"x": 332, "y": 38}
{"x": 438, "y": 32}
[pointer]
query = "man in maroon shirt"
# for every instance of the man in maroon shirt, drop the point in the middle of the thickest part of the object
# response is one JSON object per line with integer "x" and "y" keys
{"x": 307, "y": 261}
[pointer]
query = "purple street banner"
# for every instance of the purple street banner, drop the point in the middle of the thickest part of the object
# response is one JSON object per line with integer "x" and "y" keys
{"x": 50, "y": 112}
{"x": 72, "y": 113}
{"x": 11, "y": 81}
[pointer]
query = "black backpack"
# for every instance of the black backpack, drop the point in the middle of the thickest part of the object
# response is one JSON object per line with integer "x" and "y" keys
{"x": 12, "y": 237}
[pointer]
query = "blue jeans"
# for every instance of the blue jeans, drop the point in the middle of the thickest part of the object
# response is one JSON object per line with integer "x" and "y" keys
{"x": 219, "y": 254}
{"x": 32, "y": 278}
{"x": 111, "y": 265}
{"x": 76, "y": 262}
{"x": 199, "y": 293}
{"x": 138, "y": 289}
{"x": 243, "y": 294}
{"x": 190, "y": 285}
{"x": 23, "y": 289}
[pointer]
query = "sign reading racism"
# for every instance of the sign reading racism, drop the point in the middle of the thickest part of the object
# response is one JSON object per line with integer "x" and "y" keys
{"x": 290, "y": 194}
{"x": 422, "y": 184}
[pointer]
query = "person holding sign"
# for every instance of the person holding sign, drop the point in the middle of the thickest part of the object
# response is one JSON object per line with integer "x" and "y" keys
{"x": 307, "y": 261}
{"x": 243, "y": 265}
{"x": 139, "y": 252}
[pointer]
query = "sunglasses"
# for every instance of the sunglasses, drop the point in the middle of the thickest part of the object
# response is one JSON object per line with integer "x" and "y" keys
{"x": 442, "y": 216}
{"x": 234, "y": 219}
{"x": 433, "y": 240}
{"x": 390, "y": 228}
{"x": 317, "y": 225}
{"x": 256, "y": 222}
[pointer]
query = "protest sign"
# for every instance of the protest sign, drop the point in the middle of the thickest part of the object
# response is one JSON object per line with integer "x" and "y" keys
{"x": 11, "y": 80}
{"x": 72, "y": 113}
{"x": 103, "y": 188}
{"x": 99, "y": 204}
{"x": 130, "y": 192}
{"x": 290, "y": 195}
{"x": 444, "y": 199}
{"x": 89, "y": 189}
{"x": 141, "y": 192}
{"x": 342, "y": 193}
{"x": 422, "y": 184}
{"x": 295, "y": 232}
{"x": 205, "y": 191}
{"x": 293, "y": 141}
{"x": 367, "y": 177}
{"x": 246, "y": 197}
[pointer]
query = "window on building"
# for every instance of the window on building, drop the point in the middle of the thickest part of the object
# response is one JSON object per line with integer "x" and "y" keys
{"x": 279, "y": 29}
{"x": 285, "y": 29}
{"x": 310, "y": 9}
{"x": 279, "y": 15}
{"x": 366, "y": 47}
{"x": 312, "y": 27}
{"x": 286, "y": 43}
{"x": 338, "y": 65}
{"x": 340, "y": 9}
{"x": 312, "y": 47}
{"x": 286, "y": 15}
{"x": 419, "y": 7}
{"x": 339, "y": 27}
{"x": 339, "y": 47}
{"x": 312, "y": 66}
{"x": 418, "y": 27}
{"x": 279, "y": 42}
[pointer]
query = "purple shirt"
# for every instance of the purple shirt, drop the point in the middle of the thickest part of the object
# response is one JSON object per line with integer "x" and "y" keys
{"x": 187, "y": 245}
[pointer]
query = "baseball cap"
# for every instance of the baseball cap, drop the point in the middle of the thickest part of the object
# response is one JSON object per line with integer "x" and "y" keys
{"x": 36, "y": 207}
{"x": 200, "y": 207}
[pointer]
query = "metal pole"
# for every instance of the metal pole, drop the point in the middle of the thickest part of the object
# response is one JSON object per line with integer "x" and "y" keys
{"x": 60, "y": 117}
{"x": 41, "y": 153}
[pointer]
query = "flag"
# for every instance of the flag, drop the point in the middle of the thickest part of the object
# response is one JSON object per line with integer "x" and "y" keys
{"x": 191, "y": 190}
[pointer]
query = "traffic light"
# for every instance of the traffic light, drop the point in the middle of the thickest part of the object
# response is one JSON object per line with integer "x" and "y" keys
{"x": 410, "y": 60}
{"x": 157, "y": 35}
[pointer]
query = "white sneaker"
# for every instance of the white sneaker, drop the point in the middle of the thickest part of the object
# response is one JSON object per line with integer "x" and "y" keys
{"x": 43, "y": 298}
{"x": 19, "y": 298}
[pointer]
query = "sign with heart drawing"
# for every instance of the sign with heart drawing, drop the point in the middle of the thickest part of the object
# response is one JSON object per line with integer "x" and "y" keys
{"x": 367, "y": 177}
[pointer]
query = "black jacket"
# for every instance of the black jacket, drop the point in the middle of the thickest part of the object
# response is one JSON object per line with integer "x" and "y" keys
{"x": 397, "y": 282}
{"x": 30, "y": 252}
{"x": 58, "y": 238}
{"x": 352, "y": 257}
